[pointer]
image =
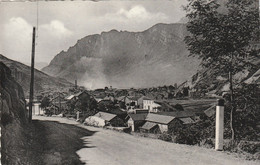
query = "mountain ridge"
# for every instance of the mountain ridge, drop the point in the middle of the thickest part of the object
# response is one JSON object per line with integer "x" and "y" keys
{"x": 156, "y": 56}
{"x": 43, "y": 81}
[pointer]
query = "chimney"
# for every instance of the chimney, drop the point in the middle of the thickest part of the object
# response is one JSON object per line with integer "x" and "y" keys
{"x": 76, "y": 84}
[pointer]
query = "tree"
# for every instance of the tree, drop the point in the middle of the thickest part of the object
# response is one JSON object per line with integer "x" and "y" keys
{"x": 221, "y": 37}
{"x": 86, "y": 104}
{"x": 45, "y": 102}
{"x": 71, "y": 106}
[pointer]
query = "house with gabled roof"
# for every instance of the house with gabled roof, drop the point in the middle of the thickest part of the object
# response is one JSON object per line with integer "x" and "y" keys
{"x": 185, "y": 117}
{"x": 163, "y": 122}
{"x": 99, "y": 98}
{"x": 167, "y": 121}
{"x": 178, "y": 114}
{"x": 70, "y": 97}
{"x": 102, "y": 119}
{"x": 136, "y": 120}
{"x": 211, "y": 111}
{"x": 81, "y": 94}
{"x": 151, "y": 105}
{"x": 140, "y": 101}
{"x": 150, "y": 127}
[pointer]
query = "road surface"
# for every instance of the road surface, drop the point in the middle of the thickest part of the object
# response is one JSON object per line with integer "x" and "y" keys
{"x": 107, "y": 147}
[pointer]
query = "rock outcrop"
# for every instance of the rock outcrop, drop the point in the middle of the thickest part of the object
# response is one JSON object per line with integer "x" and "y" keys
{"x": 13, "y": 118}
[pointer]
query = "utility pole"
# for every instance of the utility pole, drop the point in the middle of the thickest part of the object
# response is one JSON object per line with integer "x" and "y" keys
{"x": 32, "y": 77}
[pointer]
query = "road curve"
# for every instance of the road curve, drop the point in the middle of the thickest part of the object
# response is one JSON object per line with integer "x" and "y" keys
{"x": 107, "y": 147}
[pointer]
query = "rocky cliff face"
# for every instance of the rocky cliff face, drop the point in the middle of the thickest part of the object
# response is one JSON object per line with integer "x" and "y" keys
{"x": 157, "y": 56}
{"x": 210, "y": 80}
{"x": 13, "y": 117}
{"x": 22, "y": 73}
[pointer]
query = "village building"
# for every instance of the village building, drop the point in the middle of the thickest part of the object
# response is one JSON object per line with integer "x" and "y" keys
{"x": 82, "y": 94}
{"x": 211, "y": 111}
{"x": 136, "y": 120}
{"x": 36, "y": 108}
{"x": 178, "y": 114}
{"x": 98, "y": 98}
{"x": 164, "y": 122}
{"x": 138, "y": 111}
{"x": 151, "y": 105}
{"x": 129, "y": 101}
{"x": 186, "y": 120}
{"x": 185, "y": 117}
{"x": 70, "y": 97}
{"x": 150, "y": 127}
{"x": 140, "y": 101}
{"x": 102, "y": 119}
{"x": 165, "y": 107}
{"x": 109, "y": 97}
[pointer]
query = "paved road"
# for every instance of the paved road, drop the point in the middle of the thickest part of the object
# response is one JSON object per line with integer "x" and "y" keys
{"x": 106, "y": 147}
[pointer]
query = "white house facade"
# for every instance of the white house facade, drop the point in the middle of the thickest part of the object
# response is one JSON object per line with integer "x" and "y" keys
{"x": 151, "y": 105}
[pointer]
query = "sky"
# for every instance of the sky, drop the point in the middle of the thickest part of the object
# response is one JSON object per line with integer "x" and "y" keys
{"x": 62, "y": 23}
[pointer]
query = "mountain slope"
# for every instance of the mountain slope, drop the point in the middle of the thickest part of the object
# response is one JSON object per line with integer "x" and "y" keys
{"x": 22, "y": 73}
{"x": 157, "y": 56}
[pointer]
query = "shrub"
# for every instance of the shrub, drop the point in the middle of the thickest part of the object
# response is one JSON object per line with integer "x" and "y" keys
{"x": 165, "y": 137}
{"x": 249, "y": 147}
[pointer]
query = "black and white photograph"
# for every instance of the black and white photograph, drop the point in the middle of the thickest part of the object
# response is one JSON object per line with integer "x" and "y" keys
{"x": 130, "y": 82}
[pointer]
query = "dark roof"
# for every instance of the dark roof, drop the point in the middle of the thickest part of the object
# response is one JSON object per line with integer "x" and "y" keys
{"x": 108, "y": 97}
{"x": 186, "y": 120}
{"x": 138, "y": 117}
{"x": 178, "y": 114}
{"x": 133, "y": 98}
{"x": 69, "y": 97}
{"x": 56, "y": 98}
{"x": 159, "y": 118}
{"x": 79, "y": 93}
{"x": 210, "y": 111}
{"x": 121, "y": 98}
{"x": 105, "y": 116}
{"x": 99, "y": 97}
{"x": 165, "y": 105}
{"x": 146, "y": 98}
{"x": 148, "y": 125}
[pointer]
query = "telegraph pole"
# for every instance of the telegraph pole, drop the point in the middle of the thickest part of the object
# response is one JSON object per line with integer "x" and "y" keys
{"x": 32, "y": 77}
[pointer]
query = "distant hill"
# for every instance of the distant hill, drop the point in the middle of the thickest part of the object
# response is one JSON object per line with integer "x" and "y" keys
{"x": 156, "y": 56}
{"x": 22, "y": 73}
{"x": 38, "y": 65}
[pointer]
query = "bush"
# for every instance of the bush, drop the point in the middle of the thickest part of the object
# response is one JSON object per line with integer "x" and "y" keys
{"x": 165, "y": 137}
{"x": 249, "y": 147}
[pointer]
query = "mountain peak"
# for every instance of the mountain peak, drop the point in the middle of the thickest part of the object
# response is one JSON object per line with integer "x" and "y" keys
{"x": 156, "y": 56}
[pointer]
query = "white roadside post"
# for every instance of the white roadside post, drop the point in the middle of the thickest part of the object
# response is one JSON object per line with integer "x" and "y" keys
{"x": 219, "y": 125}
{"x": 77, "y": 116}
